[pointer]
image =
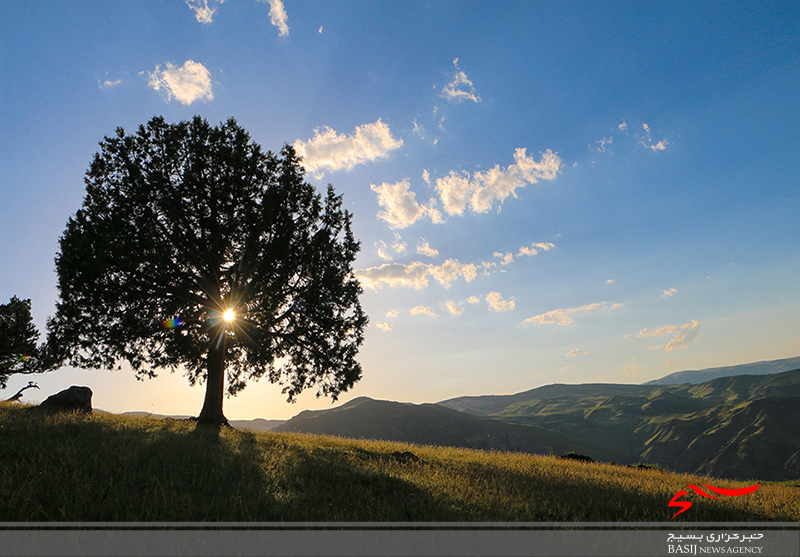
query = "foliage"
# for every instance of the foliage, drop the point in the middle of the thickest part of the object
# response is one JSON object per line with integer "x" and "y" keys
{"x": 103, "y": 467}
{"x": 180, "y": 224}
{"x": 18, "y": 338}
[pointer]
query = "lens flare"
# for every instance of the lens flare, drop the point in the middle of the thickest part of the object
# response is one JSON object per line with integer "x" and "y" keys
{"x": 173, "y": 323}
{"x": 228, "y": 315}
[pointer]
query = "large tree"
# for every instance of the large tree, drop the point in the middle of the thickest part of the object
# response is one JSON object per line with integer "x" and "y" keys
{"x": 18, "y": 337}
{"x": 195, "y": 248}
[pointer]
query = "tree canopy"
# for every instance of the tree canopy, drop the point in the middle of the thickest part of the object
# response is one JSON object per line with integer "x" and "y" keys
{"x": 18, "y": 337}
{"x": 196, "y": 249}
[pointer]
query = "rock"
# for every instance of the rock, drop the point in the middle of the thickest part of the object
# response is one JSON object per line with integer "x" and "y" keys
{"x": 405, "y": 457}
{"x": 69, "y": 400}
{"x": 578, "y": 457}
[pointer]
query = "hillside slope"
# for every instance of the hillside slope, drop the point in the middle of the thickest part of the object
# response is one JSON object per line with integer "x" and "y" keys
{"x": 426, "y": 424}
{"x": 702, "y": 375}
{"x": 735, "y": 427}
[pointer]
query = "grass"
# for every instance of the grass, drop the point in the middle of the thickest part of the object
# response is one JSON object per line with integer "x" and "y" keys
{"x": 103, "y": 467}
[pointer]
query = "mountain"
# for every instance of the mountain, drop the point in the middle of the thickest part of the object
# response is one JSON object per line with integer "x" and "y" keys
{"x": 425, "y": 424}
{"x": 703, "y": 375}
{"x": 742, "y": 427}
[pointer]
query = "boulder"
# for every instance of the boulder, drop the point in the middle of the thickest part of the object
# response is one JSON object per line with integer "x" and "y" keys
{"x": 69, "y": 400}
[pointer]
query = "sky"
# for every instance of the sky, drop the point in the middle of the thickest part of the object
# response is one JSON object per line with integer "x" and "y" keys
{"x": 545, "y": 192}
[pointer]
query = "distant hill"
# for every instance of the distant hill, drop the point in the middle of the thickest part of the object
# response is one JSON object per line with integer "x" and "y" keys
{"x": 703, "y": 375}
{"x": 426, "y": 424}
{"x": 741, "y": 427}
{"x": 259, "y": 424}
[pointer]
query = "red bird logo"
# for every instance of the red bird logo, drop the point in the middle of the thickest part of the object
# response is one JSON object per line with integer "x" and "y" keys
{"x": 684, "y": 505}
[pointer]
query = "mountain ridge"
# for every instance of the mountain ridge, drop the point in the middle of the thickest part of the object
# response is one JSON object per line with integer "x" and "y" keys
{"x": 740, "y": 427}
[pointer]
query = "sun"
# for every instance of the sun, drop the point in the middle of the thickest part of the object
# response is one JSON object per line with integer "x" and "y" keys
{"x": 229, "y": 315}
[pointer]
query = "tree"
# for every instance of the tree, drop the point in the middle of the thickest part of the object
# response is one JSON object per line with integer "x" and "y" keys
{"x": 18, "y": 336}
{"x": 195, "y": 248}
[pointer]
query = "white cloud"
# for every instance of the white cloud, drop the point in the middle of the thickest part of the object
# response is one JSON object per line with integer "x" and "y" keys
{"x": 425, "y": 248}
{"x": 496, "y": 302}
{"x": 382, "y": 251}
{"x": 610, "y": 281}
{"x": 451, "y": 270}
{"x": 461, "y": 88}
{"x": 384, "y": 327}
{"x": 330, "y": 151}
{"x": 660, "y": 146}
{"x": 320, "y": 30}
{"x": 684, "y": 334}
{"x": 108, "y": 84}
{"x": 535, "y": 248}
{"x": 392, "y": 313}
{"x": 202, "y": 11}
{"x": 506, "y": 258}
{"x": 646, "y": 127}
{"x": 455, "y": 191}
{"x": 668, "y": 293}
{"x": 278, "y": 16}
{"x": 415, "y": 275}
{"x": 187, "y": 84}
{"x": 623, "y": 127}
{"x": 603, "y": 142}
{"x": 424, "y": 310}
{"x": 401, "y": 208}
{"x": 453, "y": 308}
{"x": 473, "y": 300}
{"x": 481, "y": 190}
{"x": 399, "y": 245}
{"x": 564, "y": 317}
{"x": 576, "y": 352}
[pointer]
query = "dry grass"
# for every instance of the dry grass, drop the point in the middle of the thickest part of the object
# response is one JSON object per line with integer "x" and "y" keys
{"x": 103, "y": 467}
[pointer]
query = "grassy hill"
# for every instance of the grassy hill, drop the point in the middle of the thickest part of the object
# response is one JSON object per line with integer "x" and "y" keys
{"x": 103, "y": 467}
{"x": 425, "y": 424}
{"x": 735, "y": 427}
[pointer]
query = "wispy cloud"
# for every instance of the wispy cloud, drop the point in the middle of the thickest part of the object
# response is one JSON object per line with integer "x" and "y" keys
{"x": 423, "y": 310}
{"x": 535, "y": 248}
{"x": 329, "y": 151}
{"x": 399, "y": 247}
{"x": 506, "y": 258}
{"x": 278, "y": 16}
{"x": 109, "y": 83}
{"x": 498, "y": 304}
{"x": 384, "y": 327}
{"x": 400, "y": 205}
{"x": 684, "y": 335}
{"x": 461, "y": 88}
{"x": 191, "y": 82}
{"x": 453, "y": 307}
{"x": 480, "y": 191}
{"x": 647, "y": 142}
{"x": 668, "y": 293}
{"x": 202, "y": 11}
{"x": 576, "y": 352}
{"x": 565, "y": 317}
{"x": 425, "y": 248}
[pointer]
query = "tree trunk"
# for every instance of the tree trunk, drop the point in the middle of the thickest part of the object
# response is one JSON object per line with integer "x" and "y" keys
{"x": 211, "y": 414}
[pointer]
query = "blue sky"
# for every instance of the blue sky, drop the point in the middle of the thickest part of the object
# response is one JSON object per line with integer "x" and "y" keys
{"x": 545, "y": 192}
